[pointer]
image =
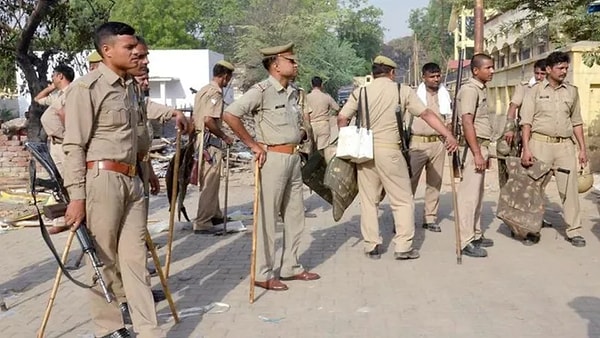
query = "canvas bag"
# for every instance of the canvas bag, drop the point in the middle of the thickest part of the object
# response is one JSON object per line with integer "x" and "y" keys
{"x": 355, "y": 143}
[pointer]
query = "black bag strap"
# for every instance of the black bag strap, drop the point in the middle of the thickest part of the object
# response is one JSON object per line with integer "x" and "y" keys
{"x": 359, "y": 109}
{"x": 367, "y": 110}
{"x": 400, "y": 114}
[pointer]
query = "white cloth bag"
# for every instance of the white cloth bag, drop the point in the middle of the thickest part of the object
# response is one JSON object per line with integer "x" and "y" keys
{"x": 355, "y": 143}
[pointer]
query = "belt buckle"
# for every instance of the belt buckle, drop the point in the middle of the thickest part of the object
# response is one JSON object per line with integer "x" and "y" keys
{"x": 131, "y": 170}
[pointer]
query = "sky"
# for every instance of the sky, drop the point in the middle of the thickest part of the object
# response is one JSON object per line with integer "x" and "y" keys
{"x": 395, "y": 15}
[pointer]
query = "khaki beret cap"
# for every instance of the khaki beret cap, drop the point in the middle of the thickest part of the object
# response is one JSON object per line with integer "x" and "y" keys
{"x": 384, "y": 60}
{"x": 272, "y": 51}
{"x": 94, "y": 57}
{"x": 226, "y": 65}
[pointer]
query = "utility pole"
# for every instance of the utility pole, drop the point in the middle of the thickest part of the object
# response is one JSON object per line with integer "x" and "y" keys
{"x": 479, "y": 18}
{"x": 415, "y": 61}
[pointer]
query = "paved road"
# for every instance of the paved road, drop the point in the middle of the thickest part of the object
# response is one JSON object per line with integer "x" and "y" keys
{"x": 548, "y": 290}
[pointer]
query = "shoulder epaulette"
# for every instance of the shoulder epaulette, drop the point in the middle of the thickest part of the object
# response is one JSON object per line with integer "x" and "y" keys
{"x": 88, "y": 80}
{"x": 263, "y": 85}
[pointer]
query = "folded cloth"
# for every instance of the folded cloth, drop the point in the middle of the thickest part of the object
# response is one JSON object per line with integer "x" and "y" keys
{"x": 444, "y": 100}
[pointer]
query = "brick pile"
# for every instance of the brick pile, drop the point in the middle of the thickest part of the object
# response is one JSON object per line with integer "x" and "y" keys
{"x": 14, "y": 157}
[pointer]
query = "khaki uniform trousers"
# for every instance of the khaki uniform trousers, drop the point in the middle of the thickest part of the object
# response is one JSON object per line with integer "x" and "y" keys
{"x": 116, "y": 215}
{"x": 58, "y": 156}
{"x": 117, "y": 288}
{"x": 280, "y": 192}
{"x": 470, "y": 197}
{"x": 208, "y": 203}
{"x": 429, "y": 156}
{"x": 562, "y": 155}
{"x": 387, "y": 170}
{"x": 321, "y": 132}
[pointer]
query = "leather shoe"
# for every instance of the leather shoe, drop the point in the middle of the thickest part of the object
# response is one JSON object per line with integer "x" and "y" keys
{"x": 546, "y": 224}
{"x": 120, "y": 333}
{"x": 432, "y": 227}
{"x": 125, "y": 313}
{"x": 483, "y": 242}
{"x": 219, "y": 220}
{"x": 374, "y": 254}
{"x": 577, "y": 241}
{"x": 209, "y": 231}
{"x": 412, "y": 254}
{"x": 272, "y": 284}
{"x": 158, "y": 296}
{"x": 304, "y": 275}
{"x": 531, "y": 239}
{"x": 473, "y": 250}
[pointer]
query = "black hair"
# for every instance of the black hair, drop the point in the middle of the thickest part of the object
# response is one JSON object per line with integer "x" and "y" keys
{"x": 220, "y": 70}
{"x": 541, "y": 64}
{"x": 431, "y": 67}
{"x": 316, "y": 81}
{"x": 109, "y": 30}
{"x": 268, "y": 61}
{"x": 478, "y": 59}
{"x": 557, "y": 57}
{"x": 380, "y": 70}
{"x": 141, "y": 40}
{"x": 66, "y": 71}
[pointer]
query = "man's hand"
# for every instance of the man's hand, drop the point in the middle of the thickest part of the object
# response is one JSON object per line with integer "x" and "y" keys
{"x": 451, "y": 143}
{"x": 509, "y": 136}
{"x": 583, "y": 159}
{"x": 260, "y": 154}
{"x": 481, "y": 163}
{"x": 75, "y": 214}
{"x": 527, "y": 158}
{"x": 51, "y": 87}
{"x": 181, "y": 122}
{"x": 153, "y": 181}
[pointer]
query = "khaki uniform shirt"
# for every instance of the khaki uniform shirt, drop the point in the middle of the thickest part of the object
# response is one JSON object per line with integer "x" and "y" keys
{"x": 50, "y": 120}
{"x": 101, "y": 116}
{"x": 277, "y": 116}
{"x": 472, "y": 99}
{"x": 382, "y": 95}
{"x": 152, "y": 111}
{"x": 519, "y": 93}
{"x": 321, "y": 103}
{"x": 552, "y": 111}
{"x": 208, "y": 102}
{"x": 419, "y": 126}
{"x": 48, "y": 100}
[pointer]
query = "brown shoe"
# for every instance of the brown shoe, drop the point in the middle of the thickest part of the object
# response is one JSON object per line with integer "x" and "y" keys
{"x": 304, "y": 275}
{"x": 272, "y": 284}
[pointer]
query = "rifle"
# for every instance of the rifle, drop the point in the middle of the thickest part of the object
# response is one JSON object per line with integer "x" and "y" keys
{"x": 405, "y": 132}
{"x": 456, "y": 159}
{"x": 39, "y": 151}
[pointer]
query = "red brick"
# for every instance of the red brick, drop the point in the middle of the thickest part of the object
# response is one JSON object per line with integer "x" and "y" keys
{"x": 15, "y": 148}
{"x": 14, "y": 143}
{"x": 8, "y": 154}
{"x": 3, "y": 138}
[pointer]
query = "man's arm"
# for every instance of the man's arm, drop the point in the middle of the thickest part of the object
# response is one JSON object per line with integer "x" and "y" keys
{"x": 162, "y": 113}
{"x": 349, "y": 109}
{"x": 42, "y": 96}
{"x": 235, "y": 123}
{"x": 577, "y": 122}
{"x": 211, "y": 124}
{"x": 79, "y": 119}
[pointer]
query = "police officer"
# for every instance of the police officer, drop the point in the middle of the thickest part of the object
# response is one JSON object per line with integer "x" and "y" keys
{"x": 278, "y": 120}
{"x": 550, "y": 118}
{"x": 426, "y": 147}
{"x": 322, "y": 105}
{"x": 477, "y": 130}
{"x": 388, "y": 170}
{"x": 101, "y": 152}
{"x": 94, "y": 60}
{"x": 539, "y": 74}
{"x": 52, "y": 118}
{"x": 208, "y": 112}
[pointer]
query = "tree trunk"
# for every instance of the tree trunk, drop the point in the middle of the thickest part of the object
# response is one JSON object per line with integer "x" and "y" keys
{"x": 34, "y": 68}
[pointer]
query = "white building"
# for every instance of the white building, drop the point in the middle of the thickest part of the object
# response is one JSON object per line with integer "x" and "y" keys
{"x": 172, "y": 73}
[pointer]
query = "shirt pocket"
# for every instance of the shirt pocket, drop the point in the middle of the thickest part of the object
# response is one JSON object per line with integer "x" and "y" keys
{"x": 545, "y": 105}
{"x": 568, "y": 105}
{"x": 276, "y": 117}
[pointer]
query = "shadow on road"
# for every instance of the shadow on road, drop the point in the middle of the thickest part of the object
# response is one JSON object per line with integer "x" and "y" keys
{"x": 588, "y": 308}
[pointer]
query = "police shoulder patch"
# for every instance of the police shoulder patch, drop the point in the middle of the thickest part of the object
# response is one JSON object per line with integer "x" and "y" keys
{"x": 263, "y": 85}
